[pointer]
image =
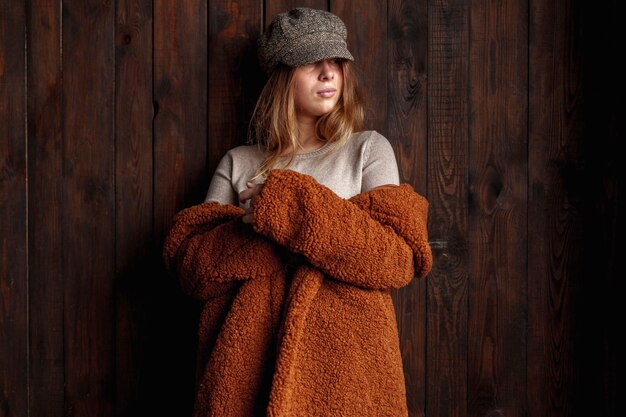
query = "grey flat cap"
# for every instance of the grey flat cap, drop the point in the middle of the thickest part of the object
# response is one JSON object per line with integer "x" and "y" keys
{"x": 303, "y": 36}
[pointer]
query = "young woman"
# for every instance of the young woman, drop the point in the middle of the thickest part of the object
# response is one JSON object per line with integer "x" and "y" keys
{"x": 307, "y": 117}
{"x": 299, "y": 242}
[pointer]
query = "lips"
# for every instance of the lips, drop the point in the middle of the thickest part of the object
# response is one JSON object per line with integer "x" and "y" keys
{"x": 327, "y": 92}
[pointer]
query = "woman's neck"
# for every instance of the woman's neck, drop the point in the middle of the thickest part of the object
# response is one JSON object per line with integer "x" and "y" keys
{"x": 308, "y": 144}
{"x": 307, "y": 138}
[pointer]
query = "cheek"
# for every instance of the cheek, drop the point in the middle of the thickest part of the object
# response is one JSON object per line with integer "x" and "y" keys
{"x": 302, "y": 91}
{"x": 341, "y": 87}
{"x": 299, "y": 99}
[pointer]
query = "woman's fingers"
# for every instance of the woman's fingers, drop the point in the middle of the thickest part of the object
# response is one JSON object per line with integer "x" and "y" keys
{"x": 250, "y": 194}
{"x": 245, "y": 195}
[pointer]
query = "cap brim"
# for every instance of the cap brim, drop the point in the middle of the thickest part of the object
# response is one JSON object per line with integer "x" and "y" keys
{"x": 309, "y": 53}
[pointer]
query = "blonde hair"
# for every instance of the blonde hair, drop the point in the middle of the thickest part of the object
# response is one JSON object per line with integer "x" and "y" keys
{"x": 273, "y": 124}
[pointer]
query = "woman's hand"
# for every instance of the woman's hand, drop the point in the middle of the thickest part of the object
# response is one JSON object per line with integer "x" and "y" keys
{"x": 250, "y": 194}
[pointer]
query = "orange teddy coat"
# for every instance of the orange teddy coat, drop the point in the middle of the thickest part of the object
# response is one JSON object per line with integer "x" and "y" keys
{"x": 298, "y": 319}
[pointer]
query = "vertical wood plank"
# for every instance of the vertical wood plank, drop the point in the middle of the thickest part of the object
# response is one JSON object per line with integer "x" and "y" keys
{"x": 367, "y": 41}
{"x": 13, "y": 210}
{"x": 180, "y": 126}
{"x": 180, "y": 180}
{"x": 446, "y": 346}
{"x": 45, "y": 195}
{"x": 88, "y": 210}
{"x": 235, "y": 77}
{"x": 407, "y": 110}
{"x": 135, "y": 256}
{"x": 554, "y": 219}
{"x": 407, "y": 131}
{"x": 498, "y": 237}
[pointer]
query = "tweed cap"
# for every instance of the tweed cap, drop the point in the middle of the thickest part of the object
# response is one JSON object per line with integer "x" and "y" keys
{"x": 303, "y": 36}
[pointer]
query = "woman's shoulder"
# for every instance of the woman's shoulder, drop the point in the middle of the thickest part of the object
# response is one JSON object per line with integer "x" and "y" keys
{"x": 367, "y": 141}
{"x": 368, "y": 137}
{"x": 245, "y": 150}
{"x": 245, "y": 153}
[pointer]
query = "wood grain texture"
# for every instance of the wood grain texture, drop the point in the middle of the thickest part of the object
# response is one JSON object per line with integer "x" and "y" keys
{"x": 13, "y": 209}
{"x": 180, "y": 119}
{"x": 554, "y": 219}
{"x": 506, "y": 115}
{"x": 45, "y": 212}
{"x": 447, "y": 303}
{"x": 498, "y": 198}
{"x": 88, "y": 207}
{"x": 235, "y": 78}
{"x": 407, "y": 132}
{"x": 135, "y": 256}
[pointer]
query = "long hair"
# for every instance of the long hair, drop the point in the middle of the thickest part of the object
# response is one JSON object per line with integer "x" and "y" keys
{"x": 273, "y": 124}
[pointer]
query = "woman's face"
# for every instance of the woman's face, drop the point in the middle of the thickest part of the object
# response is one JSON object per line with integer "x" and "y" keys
{"x": 318, "y": 88}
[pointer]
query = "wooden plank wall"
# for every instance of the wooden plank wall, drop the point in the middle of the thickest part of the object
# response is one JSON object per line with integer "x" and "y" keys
{"x": 113, "y": 116}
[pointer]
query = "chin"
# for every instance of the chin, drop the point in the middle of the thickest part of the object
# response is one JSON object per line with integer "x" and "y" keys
{"x": 326, "y": 111}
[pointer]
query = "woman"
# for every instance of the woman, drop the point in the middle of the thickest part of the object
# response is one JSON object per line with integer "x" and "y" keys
{"x": 299, "y": 242}
{"x": 309, "y": 107}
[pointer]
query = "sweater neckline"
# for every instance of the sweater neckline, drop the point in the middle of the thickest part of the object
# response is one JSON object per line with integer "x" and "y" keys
{"x": 311, "y": 154}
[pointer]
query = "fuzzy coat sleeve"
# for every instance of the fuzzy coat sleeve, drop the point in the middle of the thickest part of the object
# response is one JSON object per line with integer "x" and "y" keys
{"x": 376, "y": 240}
{"x": 210, "y": 249}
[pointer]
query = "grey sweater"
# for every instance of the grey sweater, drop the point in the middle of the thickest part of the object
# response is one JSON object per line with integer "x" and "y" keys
{"x": 364, "y": 162}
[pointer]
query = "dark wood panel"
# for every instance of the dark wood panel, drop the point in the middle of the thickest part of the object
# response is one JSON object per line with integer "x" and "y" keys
{"x": 235, "y": 78}
{"x": 180, "y": 126}
{"x": 554, "y": 222}
{"x": 447, "y": 302}
{"x": 367, "y": 41}
{"x": 88, "y": 209}
{"x": 497, "y": 223}
{"x": 127, "y": 129}
{"x": 45, "y": 195}
{"x": 180, "y": 180}
{"x": 135, "y": 255}
{"x": 13, "y": 200}
{"x": 407, "y": 132}
{"x": 407, "y": 100}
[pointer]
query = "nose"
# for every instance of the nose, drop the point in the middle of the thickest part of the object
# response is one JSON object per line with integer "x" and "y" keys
{"x": 327, "y": 72}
